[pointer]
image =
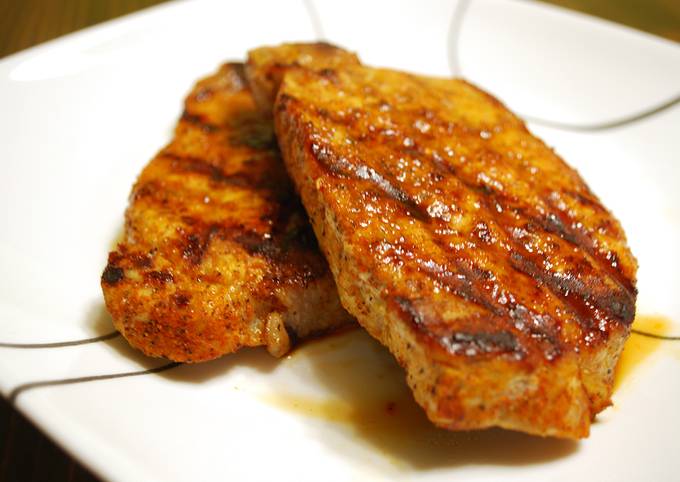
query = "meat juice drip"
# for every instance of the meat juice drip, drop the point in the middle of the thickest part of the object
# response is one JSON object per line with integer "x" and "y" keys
{"x": 366, "y": 384}
{"x": 367, "y": 396}
{"x": 365, "y": 399}
{"x": 639, "y": 347}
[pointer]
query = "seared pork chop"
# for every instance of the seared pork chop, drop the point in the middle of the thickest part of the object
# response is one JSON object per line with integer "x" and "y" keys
{"x": 458, "y": 239}
{"x": 218, "y": 252}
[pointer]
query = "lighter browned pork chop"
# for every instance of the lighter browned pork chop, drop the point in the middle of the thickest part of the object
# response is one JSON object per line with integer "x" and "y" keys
{"x": 459, "y": 240}
{"x": 218, "y": 253}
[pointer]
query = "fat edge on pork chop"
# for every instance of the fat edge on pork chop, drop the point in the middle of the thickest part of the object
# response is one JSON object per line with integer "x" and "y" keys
{"x": 217, "y": 251}
{"x": 459, "y": 240}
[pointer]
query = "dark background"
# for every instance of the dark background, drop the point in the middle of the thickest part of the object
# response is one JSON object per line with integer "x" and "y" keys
{"x": 24, "y": 23}
{"x": 26, "y": 454}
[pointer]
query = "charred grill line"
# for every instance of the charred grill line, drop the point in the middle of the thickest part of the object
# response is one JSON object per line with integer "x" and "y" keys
{"x": 340, "y": 167}
{"x": 571, "y": 292}
{"x": 465, "y": 342}
{"x": 201, "y": 166}
{"x": 553, "y": 223}
{"x": 621, "y": 305}
{"x": 198, "y": 121}
{"x": 586, "y": 243}
{"x": 502, "y": 341}
{"x": 461, "y": 283}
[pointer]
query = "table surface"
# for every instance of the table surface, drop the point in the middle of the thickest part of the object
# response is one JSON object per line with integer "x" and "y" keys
{"x": 26, "y": 454}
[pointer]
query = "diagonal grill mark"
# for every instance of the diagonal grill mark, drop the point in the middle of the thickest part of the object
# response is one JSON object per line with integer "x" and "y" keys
{"x": 453, "y": 38}
{"x": 463, "y": 285}
{"x": 460, "y": 283}
{"x": 268, "y": 185}
{"x": 621, "y": 305}
{"x": 60, "y": 344}
{"x": 580, "y": 239}
{"x": 274, "y": 245}
{"x": 531, "y": 269}
{"x": 578, "y": 306}
{"x": 70, "y": 381}
{"x": 197, "y": 244}
{"x": 341, "y": 167}
{"x": 486, "y": 342}
{"x": 199, "y": 122}
{"x": 201, "y": 166}
{"x": 558, "y": 227}
{"x": 554, "y": 223}
{"x": 464, "y": 288}
{"x": 618, "y": 305}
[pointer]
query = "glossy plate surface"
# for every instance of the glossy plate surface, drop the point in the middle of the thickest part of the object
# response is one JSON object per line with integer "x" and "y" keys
{"x": 82, "y": 115}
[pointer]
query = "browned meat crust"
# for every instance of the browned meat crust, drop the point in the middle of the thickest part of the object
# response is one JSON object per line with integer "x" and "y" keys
{"x": 218, "y": 253}
{"x": 458, "y": 239}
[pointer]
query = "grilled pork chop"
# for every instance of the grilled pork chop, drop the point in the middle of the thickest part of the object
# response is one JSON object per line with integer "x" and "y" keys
{"x": 218, "y": 253}
{"x": 458, "y": 239}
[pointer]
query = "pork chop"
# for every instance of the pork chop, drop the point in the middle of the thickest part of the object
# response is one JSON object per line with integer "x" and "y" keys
{"x": 458, "y": 239}
{"x": 218, "y": 252}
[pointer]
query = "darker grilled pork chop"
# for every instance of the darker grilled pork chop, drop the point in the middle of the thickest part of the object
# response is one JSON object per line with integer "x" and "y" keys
{"x": 458, "y": 239}
{"x": 218, "y": 253}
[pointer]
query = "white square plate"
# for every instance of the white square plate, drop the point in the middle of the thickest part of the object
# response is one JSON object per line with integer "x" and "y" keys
{"x": 80, "y": 116}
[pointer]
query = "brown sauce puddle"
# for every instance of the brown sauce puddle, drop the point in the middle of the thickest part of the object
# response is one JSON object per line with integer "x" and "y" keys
{"x": 639, "y": 347}
{"x": 369, "y": 399}
{"x": 368, "y": 404}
